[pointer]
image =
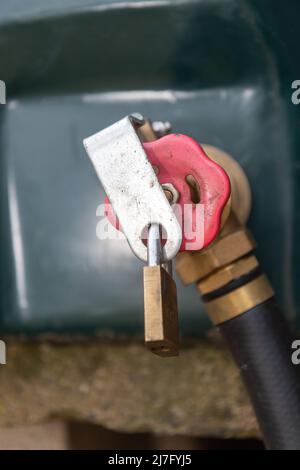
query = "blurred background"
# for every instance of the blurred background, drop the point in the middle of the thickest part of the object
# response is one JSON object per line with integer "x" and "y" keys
{"x": 71, "y": 305}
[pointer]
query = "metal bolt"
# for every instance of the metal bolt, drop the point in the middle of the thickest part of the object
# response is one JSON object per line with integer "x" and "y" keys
{"x": 161, "y": 128}
{"x": 171, "y": 192}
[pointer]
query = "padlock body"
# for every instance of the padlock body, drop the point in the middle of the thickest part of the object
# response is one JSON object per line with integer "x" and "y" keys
{"x": 160, "y": 309}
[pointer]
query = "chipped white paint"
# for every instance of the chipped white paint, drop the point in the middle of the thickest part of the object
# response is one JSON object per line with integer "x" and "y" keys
{"x": 130, "y": 183}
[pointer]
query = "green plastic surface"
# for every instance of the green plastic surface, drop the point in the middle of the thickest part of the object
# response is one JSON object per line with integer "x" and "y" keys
{"x": 220, "y": 71}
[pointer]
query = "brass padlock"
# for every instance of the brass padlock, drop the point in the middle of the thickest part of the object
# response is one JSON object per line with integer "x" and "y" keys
{"x": 160, "y": 301}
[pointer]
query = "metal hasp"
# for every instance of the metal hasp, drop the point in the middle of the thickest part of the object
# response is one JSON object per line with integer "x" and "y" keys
{"x": 129, "y": 181}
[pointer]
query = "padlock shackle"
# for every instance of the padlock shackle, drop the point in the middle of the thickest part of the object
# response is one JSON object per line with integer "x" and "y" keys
{"x": 154, "y": 248}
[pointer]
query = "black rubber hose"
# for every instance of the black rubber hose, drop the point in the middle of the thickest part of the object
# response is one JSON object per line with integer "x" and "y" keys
{"x": 261, "y": 346}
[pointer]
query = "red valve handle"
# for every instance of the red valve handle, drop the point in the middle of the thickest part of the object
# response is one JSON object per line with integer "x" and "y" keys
{"x": 181, "y": 161}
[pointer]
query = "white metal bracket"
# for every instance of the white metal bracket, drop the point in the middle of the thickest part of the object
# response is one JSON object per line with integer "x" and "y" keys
{"x": 131, "y": 185}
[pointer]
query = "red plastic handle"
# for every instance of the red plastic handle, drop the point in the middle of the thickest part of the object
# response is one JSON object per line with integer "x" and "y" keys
{"x": 181, "y": 161}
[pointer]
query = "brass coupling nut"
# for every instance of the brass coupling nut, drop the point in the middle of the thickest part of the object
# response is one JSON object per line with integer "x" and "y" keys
{"x": 239, "y": 300}
{"x": 193, "y": 266}
{"x": 227, "y": 275}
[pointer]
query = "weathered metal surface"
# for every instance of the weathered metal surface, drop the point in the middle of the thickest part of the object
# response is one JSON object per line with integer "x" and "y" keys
{"x": 131, "y": 185}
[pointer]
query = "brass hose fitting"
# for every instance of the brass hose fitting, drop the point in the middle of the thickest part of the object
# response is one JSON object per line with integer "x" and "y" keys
{"x": 227, "y": 273}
